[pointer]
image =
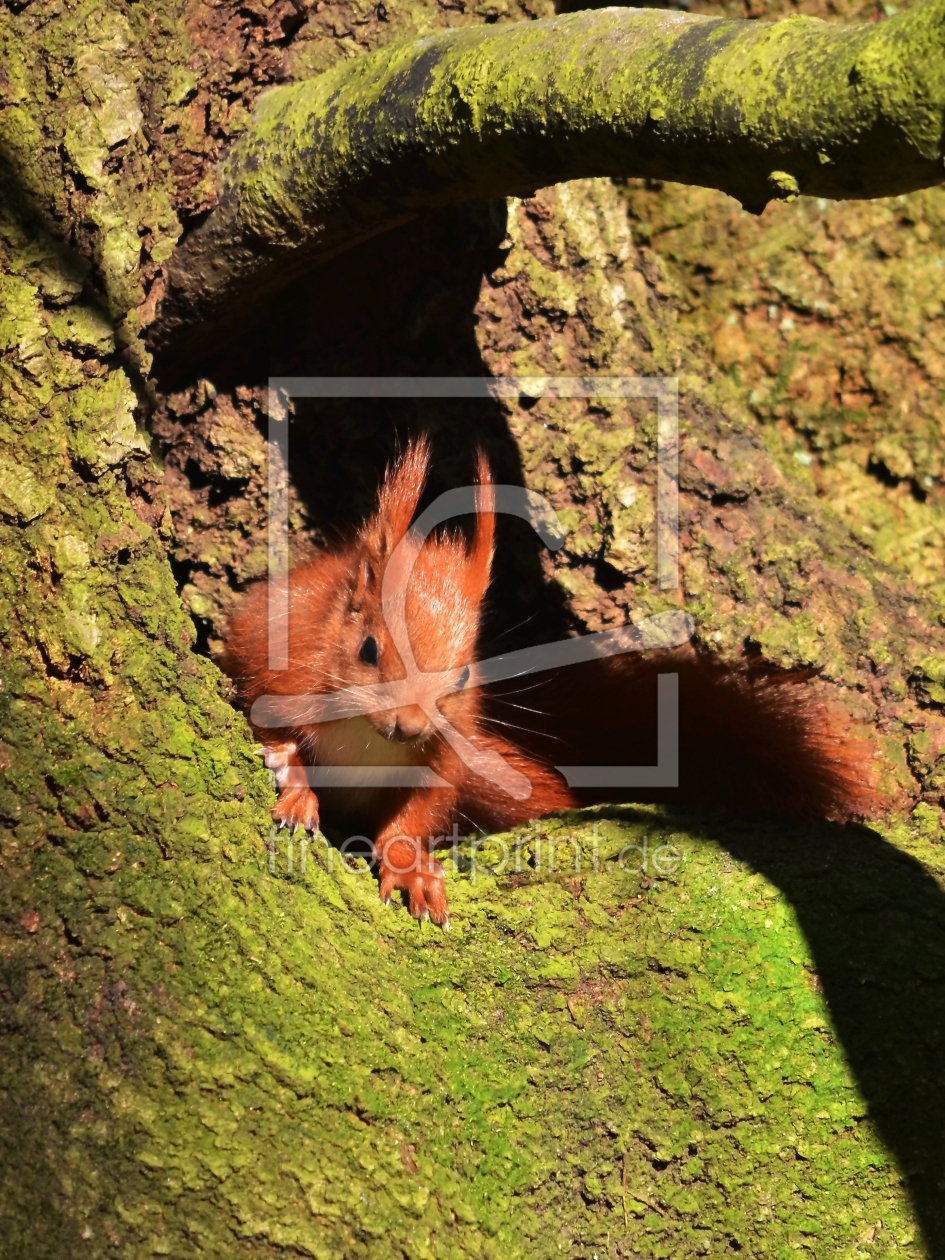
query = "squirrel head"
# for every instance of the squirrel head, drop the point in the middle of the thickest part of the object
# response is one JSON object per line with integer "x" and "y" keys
{"x": 444, "y": 597}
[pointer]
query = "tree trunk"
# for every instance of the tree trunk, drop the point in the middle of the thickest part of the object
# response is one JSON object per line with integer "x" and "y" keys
{"x": 221, "y": 1044}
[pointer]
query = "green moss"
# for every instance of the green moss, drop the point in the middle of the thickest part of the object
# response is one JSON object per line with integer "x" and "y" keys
{"x": 529, "y": 1079}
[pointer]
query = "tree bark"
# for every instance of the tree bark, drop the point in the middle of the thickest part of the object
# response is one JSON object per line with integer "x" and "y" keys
{"x": 211, "y": 1049}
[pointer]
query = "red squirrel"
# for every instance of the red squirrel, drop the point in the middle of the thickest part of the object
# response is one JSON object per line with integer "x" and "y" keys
{"x": 750, "y": 741}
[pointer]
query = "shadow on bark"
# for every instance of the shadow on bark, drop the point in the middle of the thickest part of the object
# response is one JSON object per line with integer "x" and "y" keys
{"x": 874, "y": 919}
{"x": 19, "y": 206}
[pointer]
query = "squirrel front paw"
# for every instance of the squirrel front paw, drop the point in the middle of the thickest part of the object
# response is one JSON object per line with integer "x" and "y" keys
{"x": 297, "y": 807}
{"x": 404, "y": 865}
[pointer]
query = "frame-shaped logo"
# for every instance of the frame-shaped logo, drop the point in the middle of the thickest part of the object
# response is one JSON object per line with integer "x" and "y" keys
{"x": 664, "y": 630}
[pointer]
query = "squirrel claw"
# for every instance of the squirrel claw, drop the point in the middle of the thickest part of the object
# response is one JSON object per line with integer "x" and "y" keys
{"x": 404, "y": 866}
{"x": 297, "y": 807}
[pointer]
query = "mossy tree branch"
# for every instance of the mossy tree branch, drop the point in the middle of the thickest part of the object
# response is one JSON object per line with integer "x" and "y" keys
{"x": 757, "y": 109}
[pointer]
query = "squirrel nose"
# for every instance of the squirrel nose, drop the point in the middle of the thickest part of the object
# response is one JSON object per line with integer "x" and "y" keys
{"x": 410, "y": 722}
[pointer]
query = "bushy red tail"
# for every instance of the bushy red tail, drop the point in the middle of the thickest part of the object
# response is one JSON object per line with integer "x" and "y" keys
{"x": 751, "y": 742}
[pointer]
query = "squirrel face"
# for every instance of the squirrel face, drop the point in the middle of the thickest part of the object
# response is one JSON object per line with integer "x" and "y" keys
{"x": 338, "y": 632}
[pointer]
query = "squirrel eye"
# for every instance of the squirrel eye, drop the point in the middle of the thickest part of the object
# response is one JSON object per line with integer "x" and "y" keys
{"x": 368, "y": 653}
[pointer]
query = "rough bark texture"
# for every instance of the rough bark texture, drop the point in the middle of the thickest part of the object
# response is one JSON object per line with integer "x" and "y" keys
{"x": 209, "y": 1053}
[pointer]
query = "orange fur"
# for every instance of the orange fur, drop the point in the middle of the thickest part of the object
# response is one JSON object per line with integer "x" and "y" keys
{"x": 750, "y": 741}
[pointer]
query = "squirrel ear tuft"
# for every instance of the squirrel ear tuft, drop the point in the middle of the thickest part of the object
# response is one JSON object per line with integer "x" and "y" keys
{"x": 397, "y": 502}
{"x": 480, "y": 556}
{"x": 403, "y": 486}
